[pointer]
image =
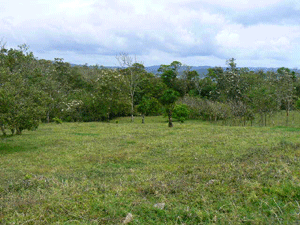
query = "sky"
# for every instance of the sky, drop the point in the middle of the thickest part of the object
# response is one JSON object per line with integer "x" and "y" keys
{"x": 195, "y": 32}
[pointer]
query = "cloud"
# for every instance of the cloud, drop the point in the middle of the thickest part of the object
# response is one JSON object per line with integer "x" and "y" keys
{"x": 156, "y": 31}
{"x": 280, "y": 13}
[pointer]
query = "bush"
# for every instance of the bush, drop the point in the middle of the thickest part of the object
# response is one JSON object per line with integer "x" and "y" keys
{"x": 181, "y": 112}
{"x": 206, "y": 109}
{"x": 297, "y": 105}
{"x": 57, "y": 120}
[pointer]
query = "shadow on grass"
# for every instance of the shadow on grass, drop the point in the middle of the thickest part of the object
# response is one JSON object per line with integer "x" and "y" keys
{"x": 7, "y": 146}
{"x": 85, "y": 134}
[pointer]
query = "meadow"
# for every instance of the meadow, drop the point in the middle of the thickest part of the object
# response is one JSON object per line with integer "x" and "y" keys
{"x": 193, "y": 173}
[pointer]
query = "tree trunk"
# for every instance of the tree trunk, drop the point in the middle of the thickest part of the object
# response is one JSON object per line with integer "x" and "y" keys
{"x": 19, "y": 131}
{"x": 170, "y": 119}
{"x": 262, "y": 119}
{"x": 287, "y": 114}
{"x": 48, "y": 117}
{"x": 108, "y": 117}
{"x": 132, "y": 108}
{"x": 143, "y": 118}
{"x": 265, "y": 119}
{"x": 132, "y": 118}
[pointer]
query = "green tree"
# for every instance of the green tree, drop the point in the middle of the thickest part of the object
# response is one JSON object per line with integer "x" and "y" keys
{"x": 148, "y": 106}
{"x": 264, "y": 100}
{"x": 286, "y": 89}
{"x": 168, "y": 100}
{"x": 232, "y": 65}
{"x": 21, "y": 102}
{"x": 170, "y": 73}
{"x": 21, "y": 105}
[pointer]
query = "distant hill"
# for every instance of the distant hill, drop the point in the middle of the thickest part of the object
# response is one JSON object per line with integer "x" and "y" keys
{"x": 203, "y": 70}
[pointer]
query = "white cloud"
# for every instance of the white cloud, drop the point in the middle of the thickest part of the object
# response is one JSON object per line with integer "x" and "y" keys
{"x": 158, "y": 31}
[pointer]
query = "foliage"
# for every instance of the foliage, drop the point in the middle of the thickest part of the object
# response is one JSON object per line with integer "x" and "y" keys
{"x": 206, "y": 109}
{"x": 33, "y": 90}
{"x": 57, "y": 120}
{"x": 168, "y": 100}
{"x": 21, "y": 104}
{"x": 181, "y": 112}
{"x": 149, "y": 107}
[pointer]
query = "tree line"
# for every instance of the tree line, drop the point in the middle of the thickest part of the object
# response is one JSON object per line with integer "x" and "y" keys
{"x": 36, "y": 90}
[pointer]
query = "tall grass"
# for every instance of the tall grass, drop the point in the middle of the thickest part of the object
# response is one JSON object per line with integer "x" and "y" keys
{"x": 97, "y": 173}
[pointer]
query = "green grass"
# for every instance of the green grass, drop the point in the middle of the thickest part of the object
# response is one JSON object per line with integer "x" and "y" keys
{"x": 97, "y": 173}
{"x": 277, "y": 119}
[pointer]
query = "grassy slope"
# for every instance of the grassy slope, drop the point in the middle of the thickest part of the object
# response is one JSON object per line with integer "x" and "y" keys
{"x": 97, "y": 173}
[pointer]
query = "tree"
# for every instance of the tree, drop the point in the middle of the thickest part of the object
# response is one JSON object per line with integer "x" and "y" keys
{"x": 21, "y": 102}
{"x": 111, "y": 94}
{"x": 21, "y": 105}
{"x": 169, "y": 73}
{"x": 263, "y": 100}
{"x": 133, "y": 73}
{"x": 148, "y": 106}
{"x": 232, "y": 65}
{"x": 285, "y": 89}
{"x": 168, "y": 100}
{"x": 189, "y": 79}
{"x": 205, "y": 87}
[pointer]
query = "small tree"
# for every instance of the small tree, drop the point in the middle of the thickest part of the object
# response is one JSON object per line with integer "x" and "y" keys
{"x": 168, "y": 100}
{"x": 132, "y": 72}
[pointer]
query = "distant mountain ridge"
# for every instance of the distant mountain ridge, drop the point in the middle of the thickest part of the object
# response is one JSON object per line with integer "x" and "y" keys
{"x": 202, "y": 70}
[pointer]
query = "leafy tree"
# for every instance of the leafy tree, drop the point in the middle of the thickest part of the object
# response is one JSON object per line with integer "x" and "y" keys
{"x": 205, "y": 87}
{"x": 286, "y": 89}
{"x": 189, "y": 79}
{"x": 148, "y": 106}
{"x": 111, "y": 93}
{"x": 149, "y": 87}
{"x": 264, "y": 101}
{"x": 21, "y": 105}
{"x": 169, "y": 73}
{"x": 168, "y": 100}
{"x": 232, "y": 65}
{"x": 21, "y": 102}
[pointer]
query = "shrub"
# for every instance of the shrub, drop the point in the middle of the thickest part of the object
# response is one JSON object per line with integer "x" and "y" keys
{"x": 57, "y": 120}
{"x": 297, "y": 105}
{"x": 181, "y": 112}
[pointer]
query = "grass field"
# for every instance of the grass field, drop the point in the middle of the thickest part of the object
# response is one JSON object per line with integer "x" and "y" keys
{"x": 97, "y": 173}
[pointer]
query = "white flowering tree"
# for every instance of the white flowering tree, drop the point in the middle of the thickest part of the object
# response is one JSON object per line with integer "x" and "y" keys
{"x": 112, "y": 93}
